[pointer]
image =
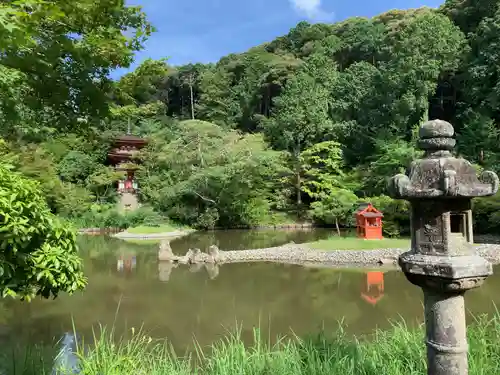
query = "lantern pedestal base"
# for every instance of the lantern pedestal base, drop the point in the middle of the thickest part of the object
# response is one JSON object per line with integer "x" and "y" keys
{"x": 446, "y": 337}
{"x": 444, "y": 280}
{"x": 447, "y": 267}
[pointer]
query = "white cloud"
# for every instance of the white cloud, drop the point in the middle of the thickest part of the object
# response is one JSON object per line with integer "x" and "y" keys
{"x": 312, "y": 9}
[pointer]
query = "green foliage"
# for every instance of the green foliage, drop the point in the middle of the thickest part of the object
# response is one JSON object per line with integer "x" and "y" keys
{"x": 56, "y": 56}
{"x": 396, "y": 351}
{"x": 323, "y": 172}
{"x": 38, "y": 254}
{"x": 335, "y": 207}
{"x": 300, "y": 117}
{"x": 389, "y": 159}
{"x": 396, "y": 219}
{"x": 75, "y": 166}
{"x": 487, "y": 214}
{"x": 108, "y": 216}
{"x": 205, "y": 176}
{"x": 301, "y": 124}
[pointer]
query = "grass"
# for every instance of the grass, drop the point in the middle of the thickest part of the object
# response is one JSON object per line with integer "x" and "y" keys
{"x": 163, "y": 228}
{"x": 398, "y": 351}
{"x": 354, "y": 243}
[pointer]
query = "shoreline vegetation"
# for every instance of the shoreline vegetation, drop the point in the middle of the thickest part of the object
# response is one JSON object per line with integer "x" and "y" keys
{"x": 345, "y": 251}
{"x": 143, "y": 230}
{"x": 400, "y": 350}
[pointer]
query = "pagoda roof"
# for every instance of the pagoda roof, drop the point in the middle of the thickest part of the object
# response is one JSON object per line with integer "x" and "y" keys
{"x": 130, "y": 139}
{"x": 367, "y": 210}
{"x": 362, "y": 206}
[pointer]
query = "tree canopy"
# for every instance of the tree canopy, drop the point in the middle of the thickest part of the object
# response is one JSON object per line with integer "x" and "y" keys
{"x": 301, "y": 127}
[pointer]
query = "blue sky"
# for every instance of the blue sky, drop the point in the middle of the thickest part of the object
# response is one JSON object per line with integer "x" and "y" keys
{"x": 206, "y": 30}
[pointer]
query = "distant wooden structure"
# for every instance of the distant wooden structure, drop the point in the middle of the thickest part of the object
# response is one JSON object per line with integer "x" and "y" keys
{"x": 369, "y": 222}
{"x": 122, "y": 157}
{"x": 374, "y": 289}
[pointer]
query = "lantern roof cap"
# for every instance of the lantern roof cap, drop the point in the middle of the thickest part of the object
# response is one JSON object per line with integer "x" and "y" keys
{"x": 436, "y": 129}
{"x": 439, "y": 173}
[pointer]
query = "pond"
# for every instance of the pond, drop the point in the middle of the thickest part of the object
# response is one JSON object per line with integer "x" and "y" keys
{"x": 128, "y": 288}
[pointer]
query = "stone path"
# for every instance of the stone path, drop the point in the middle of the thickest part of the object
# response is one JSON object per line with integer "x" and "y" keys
{"x": 302, "y": 254}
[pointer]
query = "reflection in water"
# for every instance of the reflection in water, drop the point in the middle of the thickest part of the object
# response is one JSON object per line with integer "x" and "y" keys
{"x": 127, "y": 263}
{"x": 126, "y": 258}
{"x": 235, "y": 239}
{"x": 165, "y": 269}
{"x": 212, "y": 270}
{"x": 66, "y": 361}
{"x": 373, "y": 290}
{"x": 206, "y": 304}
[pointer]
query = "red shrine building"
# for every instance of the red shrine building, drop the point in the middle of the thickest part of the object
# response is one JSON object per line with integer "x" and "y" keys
{"x": 121, "y": 156}
{"x": 369, "y": 222}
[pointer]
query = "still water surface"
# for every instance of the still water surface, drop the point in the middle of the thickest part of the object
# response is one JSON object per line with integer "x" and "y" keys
{"x": 128, "y": 287}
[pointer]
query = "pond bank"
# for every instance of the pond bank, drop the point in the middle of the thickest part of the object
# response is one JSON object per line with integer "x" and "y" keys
{"x": 303, "y": 254}
{"x": 99, "y": 231}
{"x": 125, "y": 235}
{"x": 397, "y": 351}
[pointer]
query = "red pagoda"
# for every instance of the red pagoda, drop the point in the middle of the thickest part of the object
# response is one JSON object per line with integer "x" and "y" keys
{"x": 121, "y": 156}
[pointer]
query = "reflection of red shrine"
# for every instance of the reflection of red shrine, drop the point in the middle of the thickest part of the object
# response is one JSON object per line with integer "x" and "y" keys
{"x": 121, "y": 157}
{"x": 126, "y": 262}
{"x": 374, "y": 288}
{"x": 369, "y": 222}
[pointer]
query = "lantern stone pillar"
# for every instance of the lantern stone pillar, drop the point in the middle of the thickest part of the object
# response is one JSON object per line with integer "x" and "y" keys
{"x": 442, "y": 260}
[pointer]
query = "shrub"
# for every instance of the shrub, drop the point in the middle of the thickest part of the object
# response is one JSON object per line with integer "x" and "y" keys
{"x": 144, "y": 215}
{"x": 396, "y": 220}
{"x": 38, "y": 254}
{"x": 487, "y": 214}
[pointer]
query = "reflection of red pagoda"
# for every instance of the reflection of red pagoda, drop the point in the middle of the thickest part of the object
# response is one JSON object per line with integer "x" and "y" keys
{"x": 369, "y": 222}
{"x": 374, "y": 290}
{"x": 121, "y": 157}
{"x": 126, "y": 262}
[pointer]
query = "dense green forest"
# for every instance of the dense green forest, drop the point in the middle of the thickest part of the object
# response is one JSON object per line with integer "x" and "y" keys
{"x": 300, "y": 128}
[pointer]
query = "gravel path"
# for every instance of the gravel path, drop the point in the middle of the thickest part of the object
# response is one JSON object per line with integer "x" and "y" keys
{"x": 301, "y": 254}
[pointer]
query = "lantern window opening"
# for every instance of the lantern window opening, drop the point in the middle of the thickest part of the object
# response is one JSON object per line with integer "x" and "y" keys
{"x": 457, "y": 222}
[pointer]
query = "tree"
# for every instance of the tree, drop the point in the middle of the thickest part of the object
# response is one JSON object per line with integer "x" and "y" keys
{"x": 203, "y": 175}
{"x": 478, "y": 140}
{"x": 323, "y": 171}
{"x": 38, "y": 254}
{"x": 299, "y": 119}
{"x": 390, "y": 158}
{"x": 143, "y": 85}
{"x": 334, "y": 207}
{"x": 59, "y": 54}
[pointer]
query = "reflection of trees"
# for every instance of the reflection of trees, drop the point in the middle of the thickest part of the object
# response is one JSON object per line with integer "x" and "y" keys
{"x": 246, "y": 239}
{"x": 190, "y": 304}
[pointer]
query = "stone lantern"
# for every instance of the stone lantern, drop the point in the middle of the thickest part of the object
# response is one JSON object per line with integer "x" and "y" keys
{"x": 442, "y": 260}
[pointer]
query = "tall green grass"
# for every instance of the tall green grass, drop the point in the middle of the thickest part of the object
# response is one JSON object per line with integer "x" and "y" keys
{"x": 398, "y": 351}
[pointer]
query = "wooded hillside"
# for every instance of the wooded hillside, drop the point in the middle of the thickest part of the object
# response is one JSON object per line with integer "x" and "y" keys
{"x": 305, "y": 125}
